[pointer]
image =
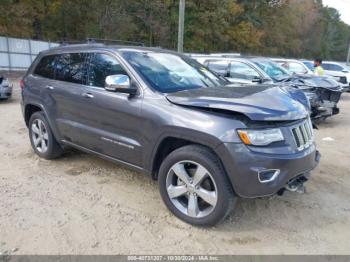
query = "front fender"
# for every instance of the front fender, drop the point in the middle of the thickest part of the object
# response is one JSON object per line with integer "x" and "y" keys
{"x": 190, "y": 135}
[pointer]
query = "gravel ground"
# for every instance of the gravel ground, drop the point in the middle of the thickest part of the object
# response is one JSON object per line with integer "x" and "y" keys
{"x": 80, "y": 204}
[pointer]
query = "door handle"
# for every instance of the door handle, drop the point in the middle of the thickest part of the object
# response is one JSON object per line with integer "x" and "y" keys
{"x": 49, "y": 87}
{"x": 88, "y": 95}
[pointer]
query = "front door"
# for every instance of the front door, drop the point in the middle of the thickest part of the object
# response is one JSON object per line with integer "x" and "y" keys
{"x": 112, "y": 120}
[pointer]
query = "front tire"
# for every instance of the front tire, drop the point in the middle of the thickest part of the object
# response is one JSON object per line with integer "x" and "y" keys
{"x": 194, "y": 186}
{"x": 41, "y": 137}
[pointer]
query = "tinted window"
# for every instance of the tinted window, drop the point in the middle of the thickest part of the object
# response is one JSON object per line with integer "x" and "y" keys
{"x": 168, "y": 72}
{"x": 71, "y": 68}
{"x": 46, "y": 67}
{"x": 101, "y": 66}
{"x": 220, "y": 67}
{"x": 242, "y": 71}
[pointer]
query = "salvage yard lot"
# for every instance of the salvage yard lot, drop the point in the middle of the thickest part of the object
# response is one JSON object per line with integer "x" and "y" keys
{"x": 80, "y": 204}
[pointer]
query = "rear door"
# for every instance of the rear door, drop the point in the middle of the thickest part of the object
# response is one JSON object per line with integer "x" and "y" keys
{"x": 111, "y": 121}
{"x": 66, "y": 95}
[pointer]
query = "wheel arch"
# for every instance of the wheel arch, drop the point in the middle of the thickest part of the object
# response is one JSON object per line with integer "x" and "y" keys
{"x": 170, "y": 142}
{"x": 29, "y": 110}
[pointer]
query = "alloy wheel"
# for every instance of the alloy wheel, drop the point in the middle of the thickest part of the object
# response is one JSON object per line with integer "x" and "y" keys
{"x": 40, "y": 135}
{"x": 191, "y": 189}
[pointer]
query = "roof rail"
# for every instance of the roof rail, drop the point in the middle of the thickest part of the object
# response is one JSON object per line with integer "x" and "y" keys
{"x": 100, "y": 41}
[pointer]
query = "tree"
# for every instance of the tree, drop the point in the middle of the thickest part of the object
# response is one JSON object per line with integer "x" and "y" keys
{"x": 289, "y": 28}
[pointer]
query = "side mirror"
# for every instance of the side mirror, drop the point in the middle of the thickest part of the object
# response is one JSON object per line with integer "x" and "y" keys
{"x": 345, "y": 71}
{"x": 119, "y": 83}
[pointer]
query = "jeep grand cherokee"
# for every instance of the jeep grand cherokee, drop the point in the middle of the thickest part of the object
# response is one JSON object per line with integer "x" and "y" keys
{"x": 162, "y": 113}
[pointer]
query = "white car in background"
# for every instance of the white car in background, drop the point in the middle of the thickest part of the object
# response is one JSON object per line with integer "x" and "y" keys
{"x": 293, "y": 66}
{"x": 335, "y": 70}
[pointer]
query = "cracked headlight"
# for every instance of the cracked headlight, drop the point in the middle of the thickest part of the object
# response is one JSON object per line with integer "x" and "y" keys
{"x": 262, "y": 137}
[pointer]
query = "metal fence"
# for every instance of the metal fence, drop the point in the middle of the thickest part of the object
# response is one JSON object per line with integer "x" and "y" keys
{"x": 18, "y": 54}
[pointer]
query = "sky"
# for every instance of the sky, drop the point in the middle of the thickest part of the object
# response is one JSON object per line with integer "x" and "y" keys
{"x": 343, "y": 7}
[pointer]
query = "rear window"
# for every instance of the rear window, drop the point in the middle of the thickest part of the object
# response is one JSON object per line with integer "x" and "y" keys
{"x": 71, "y": 68}
{"x": 46, "y": 67}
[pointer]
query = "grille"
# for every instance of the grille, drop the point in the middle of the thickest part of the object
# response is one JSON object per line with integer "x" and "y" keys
{"x": 332, "y": 96}
{"x": 303, "y": 135}
{"x": 335, "y": 97}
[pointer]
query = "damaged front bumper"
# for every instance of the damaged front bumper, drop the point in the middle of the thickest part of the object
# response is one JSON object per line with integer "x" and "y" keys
{"x": 323, "y": 103}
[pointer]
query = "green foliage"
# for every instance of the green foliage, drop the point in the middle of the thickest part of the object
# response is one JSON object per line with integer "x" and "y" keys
{"x": 290, "y": 28}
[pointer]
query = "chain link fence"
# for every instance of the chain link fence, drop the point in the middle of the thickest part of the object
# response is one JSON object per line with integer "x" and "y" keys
{"x": 17, "y": 54}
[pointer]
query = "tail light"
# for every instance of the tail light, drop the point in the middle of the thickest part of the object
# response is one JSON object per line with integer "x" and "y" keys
{"x": 21, "y": 84}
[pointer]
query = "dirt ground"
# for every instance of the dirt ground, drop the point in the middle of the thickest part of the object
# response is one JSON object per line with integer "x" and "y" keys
{"x": 80, "y": 204}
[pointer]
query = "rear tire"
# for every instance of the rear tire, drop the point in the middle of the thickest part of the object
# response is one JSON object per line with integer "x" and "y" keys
{"x": 194, "y": 186}
{"x": 41, "y": 137}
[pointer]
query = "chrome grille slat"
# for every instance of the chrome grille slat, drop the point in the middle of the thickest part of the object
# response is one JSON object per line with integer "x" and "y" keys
{"x": 303, "y": 134}
{"x": 307, "y": 131}
{"x": 300, "y": 139}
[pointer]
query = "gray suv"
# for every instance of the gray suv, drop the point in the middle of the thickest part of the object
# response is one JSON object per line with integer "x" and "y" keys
{"x": 207, "y": 142}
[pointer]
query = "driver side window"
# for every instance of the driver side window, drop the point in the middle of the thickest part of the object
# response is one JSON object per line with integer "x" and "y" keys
{"x": 242, "y": 71}
{"x": 101, "y": 66}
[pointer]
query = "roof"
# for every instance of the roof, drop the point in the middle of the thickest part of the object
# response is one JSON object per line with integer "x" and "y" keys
{"x": 286, "y": 60}
{"x": 99, "y": 46}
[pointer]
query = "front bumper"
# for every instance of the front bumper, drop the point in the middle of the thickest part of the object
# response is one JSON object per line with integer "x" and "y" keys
{"x": 243, "y": 166}
{"x": 324, "y": 111}
{"x": 5, "y": 91}
{"x": 323, "y": 104}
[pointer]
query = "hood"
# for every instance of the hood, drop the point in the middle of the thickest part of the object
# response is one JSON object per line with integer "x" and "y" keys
{"x": 257, "y": 102}
{"x": 310, "y": 81}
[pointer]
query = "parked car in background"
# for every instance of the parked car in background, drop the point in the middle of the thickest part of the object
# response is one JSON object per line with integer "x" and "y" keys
{"x": 293, "y": 66}
{"x": 5, "y": 88}
{"x": 206, "y": 141}
{"x": 323, "y": 93}
{"x": 347, "y": 66}
{"x": 337, "y": 70}
{"x": 340, "y": 77}
{"x": 309, "y": 64}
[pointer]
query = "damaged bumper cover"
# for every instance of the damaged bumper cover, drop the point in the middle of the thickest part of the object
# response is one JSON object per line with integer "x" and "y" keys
{"x": 323, "y": 103}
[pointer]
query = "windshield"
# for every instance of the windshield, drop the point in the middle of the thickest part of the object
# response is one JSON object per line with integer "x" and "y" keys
{"x": 168, "y": 73}
{"x": 347, "y": 67}
{"x": 272, "y": 69}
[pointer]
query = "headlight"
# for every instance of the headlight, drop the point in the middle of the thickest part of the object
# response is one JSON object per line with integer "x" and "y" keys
{"x": 260, "y": 137}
